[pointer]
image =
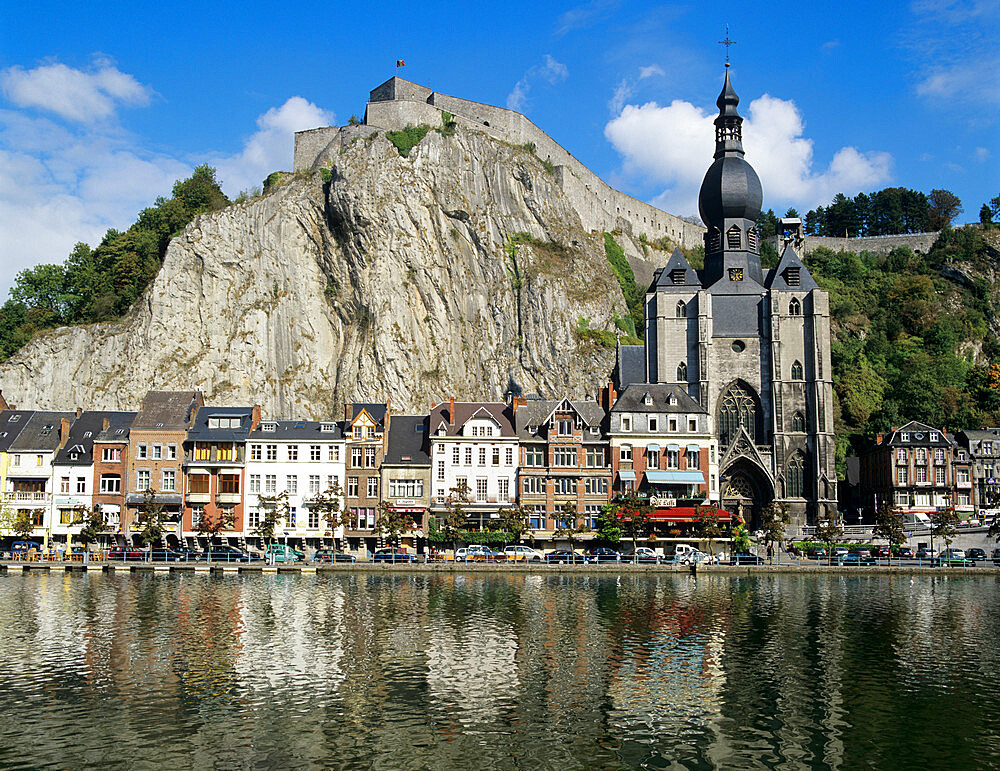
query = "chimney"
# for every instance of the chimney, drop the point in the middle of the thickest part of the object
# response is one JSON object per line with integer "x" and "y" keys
{"x": 105, "y": 424}
{"x": 518, "y": 401}
{"x": 63, "y": 431}
{"x": 348, "y": 409}
{"x": 255, "y": 417}
{"x": 79, "y": 411}
{"x": 3, "y": 403}
{"x": 451, "y": 411}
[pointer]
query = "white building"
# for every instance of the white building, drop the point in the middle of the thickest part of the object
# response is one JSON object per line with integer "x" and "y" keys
{"x": 301, "y": 458}
{"x": 473, "y": 443}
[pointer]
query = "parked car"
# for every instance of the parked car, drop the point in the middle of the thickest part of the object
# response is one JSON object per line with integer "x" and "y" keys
{"x": 521, "y": 553}
{"x": 331, "y": 555}
{"x": 996, "y": 557}
{"x": 226, "y": 553}
{"x": 904, "y": 553}
{"x": 165, "y": 555}
{"x": 565, "y": 557}
{"x": 880, "y": 552}
{"x": 954, "y": 558}
{"x": 643, "y": 555}
{"x": 280, "y": 552}
{"x": 926, "y": 553}
{"x": 604, "y": 554}
{"x": 479, "y": 553}
{"x": 186, "y": 553}
{"x": 393, "y": 556}
{"x": 125, "y": 554}
{"x": 976, "y": 554}
{"x": 855, "y": 559}
{"x": 745, "y": 558}
{"x": 861, "y": 550}
{"x": 817, "y": 552}
{"x": 839, "y": 551}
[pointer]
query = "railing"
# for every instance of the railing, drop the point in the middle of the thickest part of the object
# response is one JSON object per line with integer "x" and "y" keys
{"x": 31, "y": 497}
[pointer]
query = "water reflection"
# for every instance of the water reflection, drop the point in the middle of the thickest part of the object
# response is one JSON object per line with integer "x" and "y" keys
{"x": 498, "y": 671}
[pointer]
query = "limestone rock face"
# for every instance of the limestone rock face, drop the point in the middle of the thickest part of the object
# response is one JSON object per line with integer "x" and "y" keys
{"x": 399, "y": 279}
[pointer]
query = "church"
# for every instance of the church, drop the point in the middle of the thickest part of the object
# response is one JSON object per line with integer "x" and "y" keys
{"x": 750, "y": 345}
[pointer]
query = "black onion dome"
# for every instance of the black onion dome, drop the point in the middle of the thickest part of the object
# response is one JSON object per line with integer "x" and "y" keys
{"x": 731, "y": 189}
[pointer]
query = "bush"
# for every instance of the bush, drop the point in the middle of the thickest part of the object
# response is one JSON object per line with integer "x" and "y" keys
{"x": 407, "y": 138}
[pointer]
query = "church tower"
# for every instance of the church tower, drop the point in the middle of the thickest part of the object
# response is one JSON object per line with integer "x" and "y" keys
{"x": 750, "y": 345}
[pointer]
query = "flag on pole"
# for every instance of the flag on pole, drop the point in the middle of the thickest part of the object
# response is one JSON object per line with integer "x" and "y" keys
{"x": 400, "y": 63}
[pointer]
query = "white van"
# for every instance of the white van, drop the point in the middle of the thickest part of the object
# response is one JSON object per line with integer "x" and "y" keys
{"x": 522, "y": 553}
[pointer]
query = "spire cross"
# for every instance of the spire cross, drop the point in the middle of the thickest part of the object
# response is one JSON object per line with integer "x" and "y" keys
{"x": 727, "y": 42}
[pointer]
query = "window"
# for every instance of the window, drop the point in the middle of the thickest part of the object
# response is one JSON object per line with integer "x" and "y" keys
{"x": 168, "y": 480}
{"x": 326, "y": 427}
{"x": 796, "y": 476}
{"x": 270, "y": 484}
{"x": 596, "y": 486}
{"x": 293, "y": 452}
{"x": 157, "y": 451}
{"x": 202, "y": 451}
{"x": 682, "y": 372}
{"x": 440, "y": 470}
{"x": 652, "y": 457}
{"x": 352, "y": 487}
{"x": 16, "y": 461}
{"x": 313, "y": 519}
{"x": 198, "y": 484}
{"x": 693, "y": 425}
{"x": 503, "y": 489}
{"x": 482, "y": 456}
{"x": 64, "y": 485}
{"x": 255, "y": 483}
{"x": 654, "y": 423}
{"x": 39, "y": 460}
{"x": 255, "y": 453}
{"x": 734, "y": 240}
{"x": 509, "y": 456}
{"x": 595, "y": 457}
{"x": 461, "y": 482}
{"x": 692, "y": 458}
{"x": 334, "y": 453}
{"x": 962, "y": 475}
{"x": 794, "y": 307}
{"x": 268, "y": 426}
{"x": 921, "y": 474}
{"x": 902, "y": 477}
{"x": 900, "y": 455}
{"x": 673, "y": 458}
{"x": 626, "y": 422}
{"x": 798, "y": 422}
{"x": 938, "y": 475}
{"x": 142, "y": 480}
{"x": 921, "y": 455}
{"x": 111, "y": 454}
{"x": 456, "y": 454}
{"x": 564, "y": 427}
{"x": 229, "y": 484}
{"x": 797, "y": 370}
{"x": 939, "y": 455}
{"x": 370, "y": 457}
{"x": 564, "y": 486}
{"x": 314, "y": 484}
{"x": 372, "y": 487}
{"x": 533, "y": 485}
{"x": 625, "y": 453}
{"x": 681, "y": 311}
{"x": 963, "y": 499}
{"x": 292, "y": 484}
{"x": 481, "y": 487}
{"x": 534, "y": 456}
{"x": 905, "y": 436}
{"x": 315, "y": 452}
{"x": 271, "y": 452}
{"x": 496, "y": 456}
{"x": 253, "y": 519}
{"x": 678, "y": 276}
{"x": 142, "y": 452}
{"x": 228, "y": 516}
{"x": 738, "y": 409}
{"x": 197, "y": 513}
{"x": 565, "y": 457}
{"x": 224, "y": 422}
{"x": 111, "y": 483}
{"x": 406, "y": 488}
{"x": 226, "y": 452}
{"x": 357, "y": 456}
{"x": 935, "y": 437}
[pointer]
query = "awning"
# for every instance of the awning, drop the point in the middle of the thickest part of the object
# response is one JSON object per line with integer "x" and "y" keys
{"x": 628, "y": 476}
{"x": 676, "y": 477}
{"x": 165, "y": 500}
{"x": 673, "y": 447}
{"x": 693, "y": 448}
{"x": 687, "y": 514}
{"x": 652, "y": 447}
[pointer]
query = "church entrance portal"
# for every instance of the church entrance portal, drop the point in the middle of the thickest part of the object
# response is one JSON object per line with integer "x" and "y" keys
{"x": 745, "y": 493}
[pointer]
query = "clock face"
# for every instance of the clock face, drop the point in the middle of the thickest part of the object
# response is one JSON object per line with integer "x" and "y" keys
{"x": 736, "y": 274}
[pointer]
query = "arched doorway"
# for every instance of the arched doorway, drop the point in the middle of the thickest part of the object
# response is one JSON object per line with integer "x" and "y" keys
{"x": 745, "y": 492}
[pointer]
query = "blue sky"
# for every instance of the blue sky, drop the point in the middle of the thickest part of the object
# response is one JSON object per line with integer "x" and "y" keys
{"x": 103, "y": 105}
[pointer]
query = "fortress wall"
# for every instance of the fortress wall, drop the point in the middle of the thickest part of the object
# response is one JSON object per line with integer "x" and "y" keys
{"x": 314, "y": 147}
{"x": 600, "y": 206}
{"x": 918, "y": 242}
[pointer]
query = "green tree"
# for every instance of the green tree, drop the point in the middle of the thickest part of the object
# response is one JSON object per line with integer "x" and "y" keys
{"x": 944, "y": 207}
{"x": 391, "y": 523}
{"x": 774, "y": 519}
{"x": 741, "y": 539}
{"x": 828, "y": 531}
{"x": 42, "y": 287}
{"x": 150, "y": 518}
{"x": 632, "y": 514}
{"x": 889, "y": 524}
{"x": 569, "y": 524}
{"x": 455, "y": 516}
{"x": 706, "y": 521}
{"x": 986, "y": 215}
{"x": 93, "y": 523}
{"x": 274, "y": 509}
{"x": 514, "y": 521}
{"x": 609, "y": 528}
{"x": 944, "y": 524}
{"x": 327, "y": 503}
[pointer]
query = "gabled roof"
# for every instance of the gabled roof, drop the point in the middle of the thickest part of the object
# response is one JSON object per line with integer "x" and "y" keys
{"x": 919, "y": 435}
{"x": 41, "y": 432}
{"x": 167, "y": 410}
{"x": 294, "y": 430}
{"x": 408, "y": 444}
{"x": 632, "y": 399}
{"x": 82, "y": 435}
{"x": 499, "y": 412}
{"x": 12, "y": 423}
{"x": 375, "y": 411}
{"x": 538, "y": 412}
{"x": 663, "y": 279}
{"x": 778, "y": 278}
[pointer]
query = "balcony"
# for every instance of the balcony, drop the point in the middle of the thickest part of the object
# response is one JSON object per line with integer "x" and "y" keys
{"x": 228, "y": 498}
{"x": 26, "y": 497}
{"x": 199, "y": 497}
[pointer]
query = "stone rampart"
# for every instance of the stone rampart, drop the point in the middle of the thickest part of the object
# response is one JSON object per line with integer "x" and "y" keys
{"x": 398, "y": 103}
{"x": 918, "y": 242}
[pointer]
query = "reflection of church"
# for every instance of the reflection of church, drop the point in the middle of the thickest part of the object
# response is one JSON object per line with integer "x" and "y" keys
{"x": 752, "y": 346}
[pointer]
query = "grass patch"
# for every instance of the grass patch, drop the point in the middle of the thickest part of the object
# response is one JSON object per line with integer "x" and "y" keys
{"x": 407, "y": 138}
{"x": 626, "y": 280}
{"x": 448, "y": 125}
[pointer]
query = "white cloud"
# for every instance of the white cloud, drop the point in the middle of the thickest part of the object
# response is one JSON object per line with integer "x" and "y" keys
{"x": 672, "y": 146}
{"x": 626, "y": 87}
{"x": 982, "y": 154}
{"x": 550, "y": 71}
{"x": 270, "y": 147}
{"x": 584, "y": 15}
{"x": 83, "y": 97}
{"x": 650, "y": 71}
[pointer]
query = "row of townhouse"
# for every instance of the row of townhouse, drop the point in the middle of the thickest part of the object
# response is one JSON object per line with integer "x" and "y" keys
{"x": 217, "y": 470}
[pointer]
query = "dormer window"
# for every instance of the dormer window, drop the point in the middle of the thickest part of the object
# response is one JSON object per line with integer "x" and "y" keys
{"x": 672, "y": 400}
{"x": 74, "y": 455}
{"x": 934, "y": 436}
{"x": 13, "y": 418}
{"x": 87, "y": 434}
{"x": 647, "y": 400}
{"x": 326, "y": 427}
{"x": 532, "y": 430}
{"x": 904, "y": 437}
{"x": 678, "y": 276}
{"x": 734, "y": 238}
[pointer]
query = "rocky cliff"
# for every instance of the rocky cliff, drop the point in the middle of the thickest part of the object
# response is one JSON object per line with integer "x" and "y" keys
{"x": 396, "y": 279}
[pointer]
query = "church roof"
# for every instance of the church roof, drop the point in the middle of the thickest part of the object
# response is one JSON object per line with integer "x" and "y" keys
{"x": 631, "y": 365}
{"x": 664, "y": 278}
{"x": 787, "y": 265}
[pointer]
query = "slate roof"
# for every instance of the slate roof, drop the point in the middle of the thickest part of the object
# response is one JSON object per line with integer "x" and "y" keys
{"x": 376, "y": 411}
{"x": 464, "y": 411}
{"x": 631, "y": 399}
{"x": 537, "y": 412}
{"x": 776, "y": 279}
{"x": 118, "y": 428}
{"x": 915, "y": 428}
{"x": 630, "y": 366}
{"x": 166, "y": 410}
{"x": 11, "y": 429}
{"x": 92, "y": 423}
{"x": 662, "y": 279}
{"x": 41, "y": 432}
{"x": 200, "y": 431}
{"x": 295, "y": 430}
{"x": 408, "y": 444}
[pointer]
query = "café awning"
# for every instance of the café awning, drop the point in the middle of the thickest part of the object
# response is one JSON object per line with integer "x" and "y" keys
{"x": 676, "y": 477}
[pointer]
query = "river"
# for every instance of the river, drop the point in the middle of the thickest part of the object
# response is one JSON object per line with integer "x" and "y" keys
{"x": 481, "y": 671}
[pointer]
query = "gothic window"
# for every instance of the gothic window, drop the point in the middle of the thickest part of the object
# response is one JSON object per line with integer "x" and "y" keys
{"x": 682, "y": 372}
{"x": 738, "y": 408}
{"x": 734, "y": 238}
{"x": 682, "y": 309}
{"x": 797, "y": 370}
{"x": 798, "y": 422}
{"x": 714, "y": 240}
{"x": 796, "y": 475}
{"x": 795, "y": 307}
